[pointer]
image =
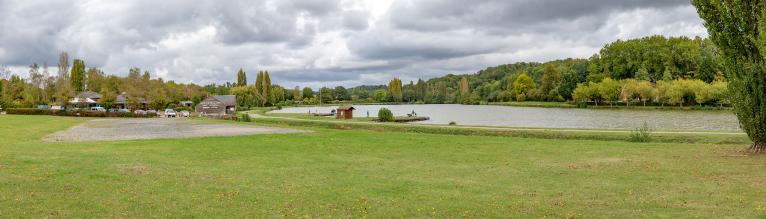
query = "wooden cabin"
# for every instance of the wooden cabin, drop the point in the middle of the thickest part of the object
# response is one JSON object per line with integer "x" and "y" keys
{"x": 345, "y": 112}
{"x": 218, "y": 106}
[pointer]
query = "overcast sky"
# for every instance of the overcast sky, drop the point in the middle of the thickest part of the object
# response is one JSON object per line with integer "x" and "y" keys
{"x": 324, "y": 42}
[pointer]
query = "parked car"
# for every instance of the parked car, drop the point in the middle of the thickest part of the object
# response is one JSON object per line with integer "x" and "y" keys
{"x": 123, "y": 110}
{"x": 184, "y": 113}
{"x": 170, "y": 113}
{"x": 151, "y": 112}
{"x": 100, "y": 109}
{"x": 139, "y": 112}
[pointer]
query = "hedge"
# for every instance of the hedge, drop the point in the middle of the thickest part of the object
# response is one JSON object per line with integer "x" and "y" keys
{"x": 75, "y": 113}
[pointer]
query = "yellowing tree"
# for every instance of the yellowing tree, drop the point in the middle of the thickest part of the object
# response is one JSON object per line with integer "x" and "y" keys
{"x": 523, "y": 86}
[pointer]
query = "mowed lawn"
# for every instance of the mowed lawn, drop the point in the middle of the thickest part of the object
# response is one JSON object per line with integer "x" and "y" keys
{"x": 349, "y": 173}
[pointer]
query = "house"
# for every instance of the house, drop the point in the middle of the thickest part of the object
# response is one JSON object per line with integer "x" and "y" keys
{"x": 121, "y": 102}
{"x": 345, "y": 112}
{"x": 217, "y": 106}
{"x": 86, "y": 100}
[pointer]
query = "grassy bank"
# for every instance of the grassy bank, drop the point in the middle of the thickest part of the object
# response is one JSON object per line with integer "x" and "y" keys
{"x": 361, "y": 124}
{"x": 361, "y": 173}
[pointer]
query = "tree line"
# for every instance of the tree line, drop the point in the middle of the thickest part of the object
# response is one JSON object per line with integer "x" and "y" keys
{"x": 655, "y": 61}
{"x": 44, "y": 88}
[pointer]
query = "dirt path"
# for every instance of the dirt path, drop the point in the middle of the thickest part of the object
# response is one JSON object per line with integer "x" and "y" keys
{"x": 133, "y": 129}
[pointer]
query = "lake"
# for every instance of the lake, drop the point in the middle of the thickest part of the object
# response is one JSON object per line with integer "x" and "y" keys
{"x": 535, "y": 117}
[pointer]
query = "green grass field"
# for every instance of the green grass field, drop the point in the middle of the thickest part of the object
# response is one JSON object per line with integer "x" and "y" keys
{"x": 366, "y": 173}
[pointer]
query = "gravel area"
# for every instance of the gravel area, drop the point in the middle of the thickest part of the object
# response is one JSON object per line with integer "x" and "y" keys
{"x": 132, "y": 129}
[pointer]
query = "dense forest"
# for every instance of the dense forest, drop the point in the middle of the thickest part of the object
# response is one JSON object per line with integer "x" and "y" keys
{"x": 653, "y": 70}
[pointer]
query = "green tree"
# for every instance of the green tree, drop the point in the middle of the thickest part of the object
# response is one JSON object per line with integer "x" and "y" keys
{"x": 549, "y": 83}
{"x": 719, "y": 92}
{"x": 340, "y": 93}
{"x": 266, "y": 88}
{"x": 241, "y": 78}
{"x": 380, "y": 95}
{"x": 645, "y": 91}
{"x": 297, "y": 94}
{"x": 64, "y": 91}
{"x": 581, "y": 93}
{"x": 385, "y": 115}
{"x": 95, "y": 79}
{"x": 78, "y": 75}
{"x": 395, "y": 90}
{"x": 523, "y": 86}
{"x": 629, "y": 91}
{"x": 568, "y": 84}
{"x": 308, "y": 93}
{"x": 420, "y": 90}
{"x": 465, "y": 91}
{"x": 245, "y": 96}
{"x": 325, "y": 95}
{"x": 735, "y": 27}
{"x": 609, "y": 90}
{"x": 259, "y": 82}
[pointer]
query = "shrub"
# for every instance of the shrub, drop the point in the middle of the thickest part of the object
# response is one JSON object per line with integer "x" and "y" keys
{"x": 453, "y": 123}
{"x": 244, "y": 117}
{"x": 28, "y": 111}
{"x": 75, "y": 113}
{"x": 641, "y": 134}
{"x": 582, "y": 105}
{"x": 385, "y": 115}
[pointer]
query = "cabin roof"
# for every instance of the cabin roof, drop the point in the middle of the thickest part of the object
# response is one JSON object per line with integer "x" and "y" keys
{"x": 344, "y": 108}
{"x": 89, "y": 94}
{"x": 228, "y": 100}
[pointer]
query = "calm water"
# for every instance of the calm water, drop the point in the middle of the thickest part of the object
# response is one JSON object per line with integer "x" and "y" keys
{"x": 535, "y": 117}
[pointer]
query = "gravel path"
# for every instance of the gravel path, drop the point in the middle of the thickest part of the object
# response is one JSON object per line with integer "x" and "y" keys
{"x": 133, "y": 129}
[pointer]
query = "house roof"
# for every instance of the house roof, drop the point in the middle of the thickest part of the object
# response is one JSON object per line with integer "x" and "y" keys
{"x": 89, "y": 94}
{"x": 346, "y": 108}
{"x": 228, "y": 100}
{"x": 122, "y": 99}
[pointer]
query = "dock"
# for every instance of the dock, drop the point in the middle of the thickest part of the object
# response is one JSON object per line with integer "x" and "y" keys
{"x": 411, "y": 118}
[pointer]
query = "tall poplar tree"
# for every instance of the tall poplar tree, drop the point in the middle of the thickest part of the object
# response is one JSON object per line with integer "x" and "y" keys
{"x": 78, "y": 75}
{"x": 735, "y": 27}
{"x": 241, "y": 78}
{"x": 63, "y": 65}
{"x": 266, "y": 87}
{"x": 395, "y": 89}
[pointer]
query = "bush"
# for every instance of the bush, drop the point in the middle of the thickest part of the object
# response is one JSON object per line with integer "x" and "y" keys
{"x": 244, "y": 117}
{"x": 453, "y": 123}
{"x": 75, "y": 113}
{"x": 582, "y": 105}
{"x": 641, "y": 134}
{"x": 385, "y": 115}
{"x": 28, "y": 111}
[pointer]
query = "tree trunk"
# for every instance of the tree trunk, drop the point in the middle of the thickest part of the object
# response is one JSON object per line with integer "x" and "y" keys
{"x": 758, "y": 147}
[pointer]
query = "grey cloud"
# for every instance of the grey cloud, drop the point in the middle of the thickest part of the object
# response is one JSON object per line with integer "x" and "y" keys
{"x": 439, "y": 15}
{"x": 324, "y": 42}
